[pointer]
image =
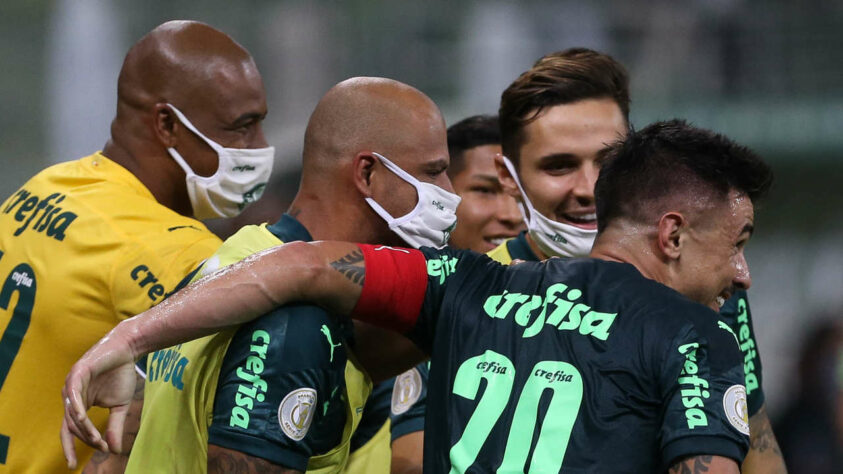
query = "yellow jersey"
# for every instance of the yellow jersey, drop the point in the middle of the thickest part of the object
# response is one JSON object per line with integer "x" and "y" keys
{"x": 282, "y": 388}
{"x": 83, "y": 245}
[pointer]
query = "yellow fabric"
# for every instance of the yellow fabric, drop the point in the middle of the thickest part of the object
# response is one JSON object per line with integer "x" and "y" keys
{"x": 374, "y": 457}
{"x": 101, "y": 249}
{"x": 182, "y": 417}
{"x": 500, "y": 254}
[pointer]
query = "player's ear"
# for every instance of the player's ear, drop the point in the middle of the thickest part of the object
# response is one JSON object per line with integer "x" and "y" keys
{"x": 362, "y": 166}
{"x": 671, "y": 227}
{"x": 505, "y": 178}
{"x": 165, "y": 123}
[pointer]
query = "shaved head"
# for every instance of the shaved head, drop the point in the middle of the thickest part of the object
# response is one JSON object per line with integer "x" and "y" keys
{"x": 180, "y": 62}
{"x": 207, "y": 76}
{"x": 368, "y": 113}
{"x": 355, "y": 123}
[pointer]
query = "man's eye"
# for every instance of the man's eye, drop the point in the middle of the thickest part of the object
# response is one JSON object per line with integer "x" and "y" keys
{"x": 559, "y": 167}
{"x": 483, "y": 190}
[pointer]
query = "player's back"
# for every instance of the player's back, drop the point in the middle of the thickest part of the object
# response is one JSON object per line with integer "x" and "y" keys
{"x": 83, "y": 244}
{"x": 577, "y": 365}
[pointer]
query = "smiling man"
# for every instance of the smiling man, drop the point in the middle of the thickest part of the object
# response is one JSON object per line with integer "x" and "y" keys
{"x": 588, "y": 364}
{"x": 487, "y": 215}
{"x": 556, "y": 120}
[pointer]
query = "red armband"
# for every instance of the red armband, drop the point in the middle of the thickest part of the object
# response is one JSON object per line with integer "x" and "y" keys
{"x": 394, "y": 289}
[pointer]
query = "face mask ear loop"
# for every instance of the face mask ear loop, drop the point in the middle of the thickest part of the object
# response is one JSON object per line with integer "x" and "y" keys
{"x": 175, "y": 155}
{"x": 525, "y": 203}
{"x": 381, "y": 211}
{"x": 216, "y": 147}
{"x": 409, "y": 179}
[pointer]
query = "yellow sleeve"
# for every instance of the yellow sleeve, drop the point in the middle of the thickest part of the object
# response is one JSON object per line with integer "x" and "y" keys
{"x": 145, "y": 275}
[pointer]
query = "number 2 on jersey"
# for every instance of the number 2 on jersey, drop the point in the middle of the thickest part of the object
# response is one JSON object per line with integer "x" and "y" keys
{"x": 22, "y": 280}
{"x": 562, "y": 378}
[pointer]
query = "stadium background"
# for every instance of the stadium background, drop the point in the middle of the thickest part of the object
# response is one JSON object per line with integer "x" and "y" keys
{"x": 767, "y": 73}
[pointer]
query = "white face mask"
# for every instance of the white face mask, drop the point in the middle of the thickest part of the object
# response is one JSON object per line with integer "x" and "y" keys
{"x": 555, "y": 239}
{"x": 240, "y": 178}
{"x": 433, "y": 219}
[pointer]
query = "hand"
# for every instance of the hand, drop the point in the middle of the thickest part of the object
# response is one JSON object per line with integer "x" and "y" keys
{"x": 105, "y": 377}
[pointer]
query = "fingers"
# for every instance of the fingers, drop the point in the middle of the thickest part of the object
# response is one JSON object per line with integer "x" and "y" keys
{"x": 77, "y": 422}
{"x": 67, "y": 444}
{"x": 114, "y": 431}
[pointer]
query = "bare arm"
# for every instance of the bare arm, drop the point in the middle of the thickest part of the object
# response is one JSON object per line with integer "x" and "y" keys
{"x": 764, "y": 456}
{"x": 384, "y": 353}
{"x": 407, "y": 453}
{"x": 223, "y": 460}
{"x": 330, "y": 274}
{"x": 705, "y": 464}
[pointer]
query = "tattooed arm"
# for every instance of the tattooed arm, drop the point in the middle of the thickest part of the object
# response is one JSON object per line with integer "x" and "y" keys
{"x": 223, "y": 460}
{"x": 764, "y": 456}
{"x": 705, "y": 464}
{"x": 328, "y": 273}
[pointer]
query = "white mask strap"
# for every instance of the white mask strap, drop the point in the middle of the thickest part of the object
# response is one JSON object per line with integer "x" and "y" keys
{"x": 216, "y": 146}
{"x": 406, "y": 177}
{"x": 524, "y": 197}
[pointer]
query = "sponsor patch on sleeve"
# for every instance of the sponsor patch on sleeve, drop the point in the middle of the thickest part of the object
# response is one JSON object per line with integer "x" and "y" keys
{"x": 406, "y": 391}
{"x": 295, "y": 414}
{"x": 734, "y": 404}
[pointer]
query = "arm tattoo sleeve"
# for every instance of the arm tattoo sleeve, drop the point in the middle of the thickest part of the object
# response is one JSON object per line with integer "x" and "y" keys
{"x": 762, "y": 437}
{"x": 694, "y": 465}
{"x": 351, "y": 266}
{"x": 223, "y": 460}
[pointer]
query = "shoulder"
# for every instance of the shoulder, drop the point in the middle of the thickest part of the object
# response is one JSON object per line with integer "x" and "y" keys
{"x": 500, "y": 254}
{"x": 300, "y": 336}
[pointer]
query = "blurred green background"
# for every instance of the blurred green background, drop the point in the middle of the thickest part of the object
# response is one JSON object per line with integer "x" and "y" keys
{"x": 768, "y": 73}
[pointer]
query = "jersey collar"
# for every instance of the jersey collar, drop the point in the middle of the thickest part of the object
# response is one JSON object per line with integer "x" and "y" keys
{"x": 289, "y": 229}
{"x": 519, "y": 248}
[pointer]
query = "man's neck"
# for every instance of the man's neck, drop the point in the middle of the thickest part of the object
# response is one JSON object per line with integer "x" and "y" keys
{"x": 621, "y": 245}
{"x": 167, "y": 188}
{"x": 330, "y": 218}
{"x": 535, "y": 248}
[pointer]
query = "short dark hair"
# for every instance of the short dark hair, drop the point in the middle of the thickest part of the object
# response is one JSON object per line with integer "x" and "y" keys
{"x": 471, "y": 132}
{"x": 672, "y": 157}
{"x": 563, "y": 77}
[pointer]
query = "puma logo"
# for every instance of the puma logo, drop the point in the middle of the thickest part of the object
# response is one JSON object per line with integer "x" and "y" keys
{"x": 327, "y": 333}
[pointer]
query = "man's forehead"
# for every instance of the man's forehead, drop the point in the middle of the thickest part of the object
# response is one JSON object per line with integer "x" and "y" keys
{"x": 582, "y": 127}
{"x": 741, "y": 210}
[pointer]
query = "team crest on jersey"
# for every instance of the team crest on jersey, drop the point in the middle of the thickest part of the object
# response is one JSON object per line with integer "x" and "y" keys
{"x": 295, "y": 414}
{"x": 406, "y": 391}
{"x": 734, "y": 404}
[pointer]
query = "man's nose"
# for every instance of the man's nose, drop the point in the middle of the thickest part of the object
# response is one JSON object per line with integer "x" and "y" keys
{"x": 742, "y": 278}
{"x": 508, "y": 212}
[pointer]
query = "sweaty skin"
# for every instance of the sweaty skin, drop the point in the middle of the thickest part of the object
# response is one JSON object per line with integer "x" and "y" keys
{"x": 355, "y": 118}
{"x": 233, "y": 296}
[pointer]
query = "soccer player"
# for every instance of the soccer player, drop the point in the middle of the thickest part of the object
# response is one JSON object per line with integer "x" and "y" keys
{"x": 487, "y": 216}
{"x": 556, "y": 119}
{"x": 87, "y": 243}
{"x": 611, "y": 364}
{"x": 285, "y": 392}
